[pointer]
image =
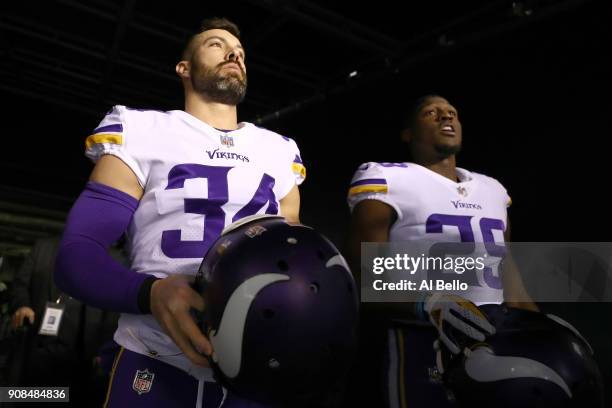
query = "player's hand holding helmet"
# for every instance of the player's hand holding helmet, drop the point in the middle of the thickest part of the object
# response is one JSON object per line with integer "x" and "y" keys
{"x": 450, "y": 311}
{"x": 281, "y": 310}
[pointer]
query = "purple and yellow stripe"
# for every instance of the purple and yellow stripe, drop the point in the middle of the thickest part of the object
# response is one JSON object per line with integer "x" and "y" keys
{"x": 106, "y": 134}
{"x": 368, "y": 186}
{"x": 298, "y": 167}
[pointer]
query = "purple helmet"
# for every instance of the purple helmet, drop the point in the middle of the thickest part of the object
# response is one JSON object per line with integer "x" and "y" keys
{"x": 282, "y": 310}
{"x": 533, "y": 360}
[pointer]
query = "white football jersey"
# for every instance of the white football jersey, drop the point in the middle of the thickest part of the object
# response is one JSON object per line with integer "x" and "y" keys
{"x": 431, "y": 207}
{"x": 196, "y": 181}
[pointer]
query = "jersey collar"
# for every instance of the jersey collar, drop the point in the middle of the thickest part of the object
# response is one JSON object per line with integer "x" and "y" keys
{"x": 206, "y": 127}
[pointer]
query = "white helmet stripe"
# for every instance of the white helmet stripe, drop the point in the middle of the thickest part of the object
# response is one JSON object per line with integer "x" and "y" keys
{"x": 484, "y": 366}
{"x": 227, "y": 341}
{"x": 338, "y": 260}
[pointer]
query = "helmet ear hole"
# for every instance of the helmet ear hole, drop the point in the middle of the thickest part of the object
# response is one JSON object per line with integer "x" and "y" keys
{"x": 314, "y": 287}
{"x": 273, "y": 364}
{"x": 268, "y": 313}
{"x": 283, "y": 266}
{"x": 320, "y": 255}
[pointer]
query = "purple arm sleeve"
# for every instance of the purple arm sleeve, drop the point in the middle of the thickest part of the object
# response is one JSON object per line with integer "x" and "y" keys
{"x": 84, "y": 269}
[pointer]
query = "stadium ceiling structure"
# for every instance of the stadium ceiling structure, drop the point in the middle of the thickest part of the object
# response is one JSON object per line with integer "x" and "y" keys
{"x": 87, "y": 56}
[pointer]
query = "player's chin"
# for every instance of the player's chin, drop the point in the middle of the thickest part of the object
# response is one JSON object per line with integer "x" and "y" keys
{"x": 233, "y": 75}
{"x": 449, "y": 148}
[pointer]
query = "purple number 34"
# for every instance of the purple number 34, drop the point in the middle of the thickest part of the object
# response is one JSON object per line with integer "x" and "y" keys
{"x": 211, "y": 208}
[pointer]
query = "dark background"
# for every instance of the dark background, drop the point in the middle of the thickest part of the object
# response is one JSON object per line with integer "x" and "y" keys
{"x": 531, "y": 81}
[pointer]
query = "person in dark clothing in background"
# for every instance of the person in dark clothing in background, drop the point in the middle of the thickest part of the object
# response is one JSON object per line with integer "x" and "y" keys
{"x": 33, "y": 284}
{"x": 70, "y": 357}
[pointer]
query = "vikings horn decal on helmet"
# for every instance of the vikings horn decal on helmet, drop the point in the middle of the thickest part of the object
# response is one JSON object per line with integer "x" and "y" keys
{"x": 531, "y": 361}
{"x": 281, "y": 311}
{"x": 227, "y": 341}
{"x": 483, "y": 365}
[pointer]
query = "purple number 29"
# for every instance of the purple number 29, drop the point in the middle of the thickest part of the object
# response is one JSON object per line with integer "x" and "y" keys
{"x": 211, "y": 207}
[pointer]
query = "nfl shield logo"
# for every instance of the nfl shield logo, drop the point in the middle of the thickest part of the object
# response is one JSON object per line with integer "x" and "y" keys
{"x": 462, "y": 190}
{"x": 226, "y": 140}
{"x": 143, "y": 381}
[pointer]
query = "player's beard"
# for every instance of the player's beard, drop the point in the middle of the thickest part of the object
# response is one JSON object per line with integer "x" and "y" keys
{"x": 228, "y": 89}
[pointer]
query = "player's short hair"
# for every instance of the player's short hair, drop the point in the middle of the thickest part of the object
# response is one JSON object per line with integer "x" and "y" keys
{"x": 415, "y": 108}
{"x": 218, "y": 23}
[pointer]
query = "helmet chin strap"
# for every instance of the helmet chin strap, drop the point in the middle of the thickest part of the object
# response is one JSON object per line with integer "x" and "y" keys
{"x": 439, "y": 360}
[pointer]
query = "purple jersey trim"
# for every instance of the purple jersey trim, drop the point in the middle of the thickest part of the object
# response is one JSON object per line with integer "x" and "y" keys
{"x": 369, "y": 181}
{"x": 117, "y": 127}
